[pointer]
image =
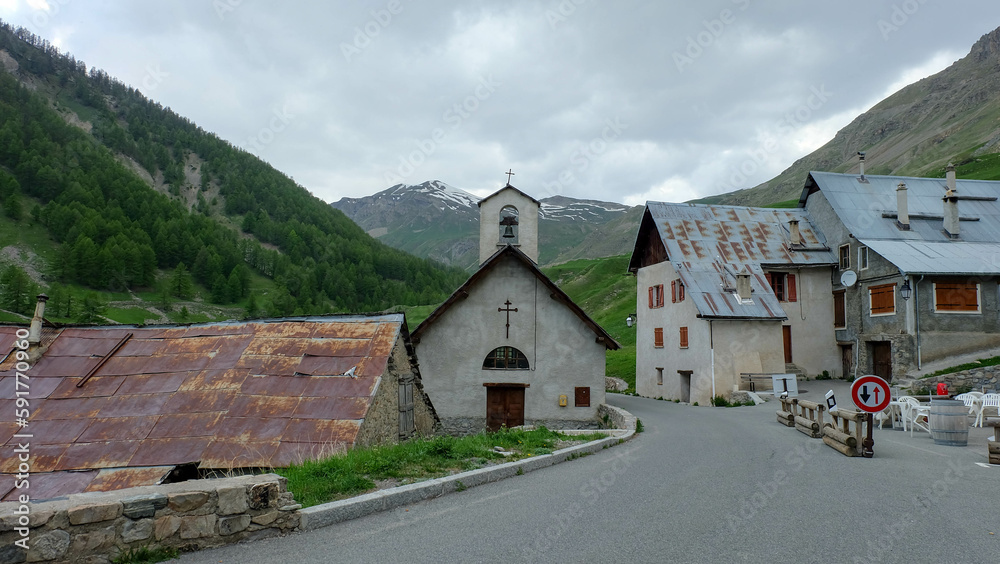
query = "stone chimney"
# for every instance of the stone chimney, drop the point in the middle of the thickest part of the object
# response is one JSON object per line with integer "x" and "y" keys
{"x": 902, "y": 208}
{"x": 861, "y": 159}
{"x": 951, "y": 204}
{"x": 793, "y": 228}
{"x": 743, "y": 285}
{"x": 35, "y": 329}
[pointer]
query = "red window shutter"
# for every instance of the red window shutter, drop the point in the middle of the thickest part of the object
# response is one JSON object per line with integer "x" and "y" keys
{"x": 658, "y": 337}
{"x": 673, "y": 291}
{"x": 790, "y": 290}
{"x": 767, "y": 275}
{"x": 651, "y": 297}
{"x": 684, "y": 337}
{"x": 680, "y": 285}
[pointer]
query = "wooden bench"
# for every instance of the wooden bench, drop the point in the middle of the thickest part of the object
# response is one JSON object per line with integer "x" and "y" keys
{"x": 751, "y": 376}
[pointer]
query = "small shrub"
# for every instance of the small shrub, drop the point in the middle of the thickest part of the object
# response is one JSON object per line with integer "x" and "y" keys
{"x": 677, "y": 400}
{"x": 520, "y": 471}
{"x": 638, "y": 426}
{"x": 824, "y": 376}
{"x": 720, "y": 401}
{"x": 145, "y": 555}
{"x": 695, "y": 404}
{"x": 459, "y": 486}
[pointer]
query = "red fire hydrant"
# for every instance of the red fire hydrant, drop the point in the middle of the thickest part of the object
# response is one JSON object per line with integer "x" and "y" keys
{"x": 942, "y": 389}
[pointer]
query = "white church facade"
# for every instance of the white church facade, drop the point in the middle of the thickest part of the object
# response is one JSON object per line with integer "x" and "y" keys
{"x": 508, "y": 347}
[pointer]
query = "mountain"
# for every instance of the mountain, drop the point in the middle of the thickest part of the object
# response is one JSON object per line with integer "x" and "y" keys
{"x": 440, "y": 222}
{"x": 952, "y": 116}
{"x": 105, "y": 190}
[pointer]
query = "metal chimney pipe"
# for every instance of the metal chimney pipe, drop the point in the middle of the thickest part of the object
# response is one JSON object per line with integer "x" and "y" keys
{"x": 951, "y": 204}
{"x": 35, "y": 329}
{"x": 861, "y": 158}
{"x": 949, "y": 176}
{"x": 902, "y": 207}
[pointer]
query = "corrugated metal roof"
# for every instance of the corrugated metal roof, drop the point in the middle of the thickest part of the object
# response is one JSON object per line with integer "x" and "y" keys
{"x": 224, "y": 395}
{"x": 922, "y": 257}
{"x": 708, "y": 245}
{"x": 862, "y": 206}
{"x": 869, "y": 211}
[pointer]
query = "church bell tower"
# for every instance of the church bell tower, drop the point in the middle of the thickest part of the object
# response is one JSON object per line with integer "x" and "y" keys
{"x": 508, "y": 217}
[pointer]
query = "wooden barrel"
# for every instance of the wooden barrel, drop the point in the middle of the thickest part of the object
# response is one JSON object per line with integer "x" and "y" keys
{"x": 949, "y": 420}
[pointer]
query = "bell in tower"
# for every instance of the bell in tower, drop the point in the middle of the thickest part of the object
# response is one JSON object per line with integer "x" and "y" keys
{"x": 508, "y": 225}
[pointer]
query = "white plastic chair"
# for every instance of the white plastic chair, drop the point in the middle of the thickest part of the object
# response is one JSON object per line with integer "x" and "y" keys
{"x": 974, "y": 404}
{"x": 989, "y": 401}
{"x": 912, "y": 412}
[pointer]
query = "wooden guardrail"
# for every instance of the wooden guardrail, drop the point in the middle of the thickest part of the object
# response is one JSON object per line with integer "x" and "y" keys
{"x": 845, "y": 433}
{"x": 808, "y": 417}
{"x": 994, "y": 445}
{"x": 786, "y": 415}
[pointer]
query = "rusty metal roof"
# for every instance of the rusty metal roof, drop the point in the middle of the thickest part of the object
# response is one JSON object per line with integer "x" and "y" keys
{"x": 708, "y": 245}
{"x": 223, "y": 395}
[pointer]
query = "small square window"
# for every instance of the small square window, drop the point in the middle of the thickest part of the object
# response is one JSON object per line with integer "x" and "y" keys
{"x": 659, "y": 376}
{"x": 845, "y": 257}
{"x": 656, "y": 296}
{"x": 862, "y": 258}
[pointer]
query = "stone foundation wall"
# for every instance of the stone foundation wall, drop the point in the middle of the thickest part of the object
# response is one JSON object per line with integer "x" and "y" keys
{"x": 617, "y": 418}
{"x": 97, "y": 527}
{"x": 462, "y": 426}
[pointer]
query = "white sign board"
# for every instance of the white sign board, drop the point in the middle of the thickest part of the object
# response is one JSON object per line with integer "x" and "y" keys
{"x": 785, "y": 383}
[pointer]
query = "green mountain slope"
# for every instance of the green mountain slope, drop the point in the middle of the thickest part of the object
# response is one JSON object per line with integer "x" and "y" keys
{"x": 952, "y": 116}
{"x": 133, "y": 196}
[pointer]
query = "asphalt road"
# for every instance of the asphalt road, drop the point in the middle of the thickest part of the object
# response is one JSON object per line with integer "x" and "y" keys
{"x": 699, "y": 485}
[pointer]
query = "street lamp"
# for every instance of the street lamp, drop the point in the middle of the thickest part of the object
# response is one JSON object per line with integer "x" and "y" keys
{"x": 905, "y": 290}
{"x": 630, "y": 320}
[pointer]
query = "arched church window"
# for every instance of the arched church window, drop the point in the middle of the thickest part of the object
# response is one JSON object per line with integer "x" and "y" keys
{"x": 505, "y": 358}
{"x": 508, "y": 225}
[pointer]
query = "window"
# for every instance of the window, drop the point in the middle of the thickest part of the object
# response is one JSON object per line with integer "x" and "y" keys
{"x": 684, "y": 337}
{"x": 659, "y": 376}
{"x": 583, "y": 397}
{"x": 656, "y": 296}
{"x": 956, "y": 297}
{"x": 845, "y": 257}
{"x": 883, "y": 299}
{"x": 677, "y": 291}
{"x": 862, "y": 258}
{"x": 783, "y": 286}
{"x": 658, "y": 337}
{"x": 505, "y": 358}
{"x": 508, "y": 225}
{"x": 839, "y": 309}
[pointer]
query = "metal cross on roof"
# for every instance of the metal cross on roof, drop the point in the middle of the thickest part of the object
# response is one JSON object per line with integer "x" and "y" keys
{"x": 509, "y": 173}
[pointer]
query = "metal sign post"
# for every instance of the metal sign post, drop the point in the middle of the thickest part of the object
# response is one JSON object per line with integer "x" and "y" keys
{"x": 871, "y": 395}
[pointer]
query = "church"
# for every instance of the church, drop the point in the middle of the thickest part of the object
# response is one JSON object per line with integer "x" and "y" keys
{"x": 508, "y": 347}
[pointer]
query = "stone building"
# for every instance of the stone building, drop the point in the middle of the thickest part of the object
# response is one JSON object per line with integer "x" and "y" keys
{"x": 917, "y": 269}
{"x": 116, "y": 407}
{"x": 728, "y": 293}
{"x": 509, "y": 347}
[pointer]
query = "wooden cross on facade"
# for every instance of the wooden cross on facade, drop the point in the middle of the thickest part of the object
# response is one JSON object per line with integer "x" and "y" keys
{"x": 509, "y": 173}
{"x": 508, "y": 310}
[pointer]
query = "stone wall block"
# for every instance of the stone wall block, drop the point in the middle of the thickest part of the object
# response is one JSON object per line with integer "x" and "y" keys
{"x": 232, "y": 500}
{"x": 48, "y": 546}
{"x": 197, "y": 527}
{"x": 265, "y": 518}
{"x": 11, "y": 553}
{"x": 94, "y": 513}
{"x": 234, "y": 524}
{"x": 186, "y": 501}
{"x": 137, "y": 530}
{"x": 93, "y": 540}
{"x": 165, "y": 527}
{"x": 142, "y": 506}
{"x": 263, "y": 496}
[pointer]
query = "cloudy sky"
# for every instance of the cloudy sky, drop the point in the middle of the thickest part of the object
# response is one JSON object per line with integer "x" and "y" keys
{"x": 621, "y": 101}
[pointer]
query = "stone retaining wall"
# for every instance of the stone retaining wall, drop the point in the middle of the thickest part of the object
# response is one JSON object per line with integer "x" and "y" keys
{"x": 618, "y": 418}
{"x": 97, "y": 527}
{"x": 975, "y": 379}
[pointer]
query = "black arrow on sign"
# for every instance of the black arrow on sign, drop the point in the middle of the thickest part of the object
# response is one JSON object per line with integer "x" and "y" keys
{"x": 864, "y": 394}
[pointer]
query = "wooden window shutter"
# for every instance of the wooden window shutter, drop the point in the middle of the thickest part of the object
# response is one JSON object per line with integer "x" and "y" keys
{"x": 582, "y": 396}
{"x": 680, "y": 290}
{"x": 673, "y": 291}
{"x": 651, "y": 297}
{"x": 839, "y": 309}
{"x": 790, "y": 289}
{"x": 767, "y": 276}
{"x": 883, "y": 298}
{"x": 951, "y": 296}
{"x": 684, "y": 337}
{"x": 658, "y": 337}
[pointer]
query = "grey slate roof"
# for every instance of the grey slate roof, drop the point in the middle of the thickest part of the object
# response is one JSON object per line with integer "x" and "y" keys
{"x": 868, "y": 211}
{"x": 708, "y": 245}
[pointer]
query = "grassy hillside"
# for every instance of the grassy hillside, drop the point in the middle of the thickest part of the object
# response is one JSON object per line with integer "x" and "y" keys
{"x": 605, "y": 292}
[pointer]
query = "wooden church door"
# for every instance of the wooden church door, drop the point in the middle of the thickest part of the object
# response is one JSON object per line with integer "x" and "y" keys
{"x": 504, "y": 407}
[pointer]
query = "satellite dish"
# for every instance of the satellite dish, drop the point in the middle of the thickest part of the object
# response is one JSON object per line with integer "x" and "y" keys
{"x": 848, "y": 278}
